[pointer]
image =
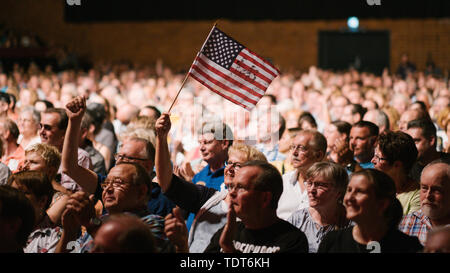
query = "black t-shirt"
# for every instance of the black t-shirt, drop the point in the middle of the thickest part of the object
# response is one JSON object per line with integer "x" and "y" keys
{"x": 187, "y": 195}
{"x": 281, "y": 237}
{"x": 395, "y": 241}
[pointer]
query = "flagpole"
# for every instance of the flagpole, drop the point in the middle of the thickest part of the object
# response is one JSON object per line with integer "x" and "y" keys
{"x": 187, "y": 74}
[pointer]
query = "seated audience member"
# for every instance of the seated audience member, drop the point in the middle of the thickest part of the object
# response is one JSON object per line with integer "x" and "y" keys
{"x": 98, "y": 162}
{"x": 135, "y": 150}
{"x": 54, "y": 122}
{"x": 102, "y": 137}
{"x": 363, "y": 137}
{"x": 438, "y": 240}
{"x": 28, "y": 124}
{"x": 379, "y": 118}
{"x": 410, "y": 115}
{"x": 42, "y": 105}
{"x": 254, "y": 194}
{"x": 337, "y": 134}
{"x": 353, "y": 113}
{"x": 370, "y": 201}
{"x": 13, "y": 153}
{"x": 17, "y": 218}
{"x": 127, "y": 188}
{"x": 124, "y": 233}
{"x": 209, "y": 205}
{"x": 307, "y": 148}
{"x": 150, "y": 111}
{"x": 306, "y": 121}
{"x": 434, "y": 202}
{"x": 424, "y": 135}
{"x": 5, "y": 172}
{"x": 38, "y": 188}
{"x": 395, "y": 155}
{"x": 326, "y": 183}
{"x": 271, "y": 126}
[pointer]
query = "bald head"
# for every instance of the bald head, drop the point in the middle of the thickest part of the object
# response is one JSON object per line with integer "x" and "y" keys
{"x": 410, "y": 115}
{"x": 127, "y": 112}
{"x": 435, "y": 192}
{"x": 124, "y": 233}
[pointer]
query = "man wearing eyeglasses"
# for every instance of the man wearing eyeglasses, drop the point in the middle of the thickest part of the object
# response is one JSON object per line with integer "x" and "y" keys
{"x": 307, "y": 148}
{"x": 254, "y": 195}
{"x": 133, "y": 150}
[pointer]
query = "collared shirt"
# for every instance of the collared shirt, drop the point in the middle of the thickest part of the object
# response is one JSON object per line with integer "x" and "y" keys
{"x": 272, "y": 154}
{"x": 210, "y": 179}
{"x": 44, "y": 237}
{"x": 416, "y": 224}
{"x": 292, "y": 198}
{"x": 367, "y": 165}
{"x": 16, "y": 159}
{"x": 314, "y": 232}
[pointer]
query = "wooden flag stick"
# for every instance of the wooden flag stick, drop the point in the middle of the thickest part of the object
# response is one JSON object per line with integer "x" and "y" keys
{"x": 187, "y": 74}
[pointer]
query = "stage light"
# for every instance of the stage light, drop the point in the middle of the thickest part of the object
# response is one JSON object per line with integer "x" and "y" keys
{"x": 353, "y": 23}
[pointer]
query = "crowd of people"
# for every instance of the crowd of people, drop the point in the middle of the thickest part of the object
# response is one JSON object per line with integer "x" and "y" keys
{"x": 92, "y": 161}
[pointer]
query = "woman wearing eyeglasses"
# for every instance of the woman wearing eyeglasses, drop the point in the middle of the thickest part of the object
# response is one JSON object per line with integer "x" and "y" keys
{"x": 395, "y": 155}
{"x": 325, "y": 184}
{"x": 370, "y": 202}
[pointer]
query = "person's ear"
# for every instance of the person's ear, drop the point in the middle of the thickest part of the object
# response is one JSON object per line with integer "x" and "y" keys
{"x": 397, "y": 164}
{"x": 266, "y": 199}
{"x": 142, "y": 192}
{"x": 225, "y": 144}
{"x": 432, "y": 141}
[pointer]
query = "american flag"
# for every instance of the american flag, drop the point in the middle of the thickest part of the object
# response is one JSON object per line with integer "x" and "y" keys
{"x": 229, "y": 69}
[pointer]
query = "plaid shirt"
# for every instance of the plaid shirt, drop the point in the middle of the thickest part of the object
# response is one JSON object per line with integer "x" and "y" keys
{"x": 416, "y": 224}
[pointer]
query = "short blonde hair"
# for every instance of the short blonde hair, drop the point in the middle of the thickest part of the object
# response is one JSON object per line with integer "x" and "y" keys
{"x": 50, "y": 154}
{"x": 251, "y": 153}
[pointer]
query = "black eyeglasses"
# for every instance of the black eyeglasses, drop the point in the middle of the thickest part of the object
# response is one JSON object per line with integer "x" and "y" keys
{"x": 124, "y": 158}
{"x": 235, "y": 165}
{"x": 116, "y": 183}
{"x": 379, "y": 158}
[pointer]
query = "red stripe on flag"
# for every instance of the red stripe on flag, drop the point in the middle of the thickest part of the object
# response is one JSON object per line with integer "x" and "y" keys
{"x": 220, "y": 84}
{"x": 254, "y": 71}
{"x": 218, "y": 92}
{"x": 252, "y": 59}
{"x": 227, "y": 78}
{"x": 246, "y": 78}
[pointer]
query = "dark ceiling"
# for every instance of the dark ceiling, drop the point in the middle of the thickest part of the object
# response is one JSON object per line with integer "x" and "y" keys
{"x": 151, "y": 10}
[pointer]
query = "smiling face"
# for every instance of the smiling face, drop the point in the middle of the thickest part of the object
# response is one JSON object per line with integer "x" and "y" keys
{"x": 49, "y": 131}
{"x": 361, "y": 143}
{"x": 321, "y": 192}
{"x": 360, "y": 202}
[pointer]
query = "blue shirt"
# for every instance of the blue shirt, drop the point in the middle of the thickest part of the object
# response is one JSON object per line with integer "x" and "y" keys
{"x": 209, "y": 179}
{"x": 367, "y": 165}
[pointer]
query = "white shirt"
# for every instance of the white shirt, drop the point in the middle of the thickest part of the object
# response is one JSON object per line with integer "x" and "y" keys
{"x": 292, "y": 198}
